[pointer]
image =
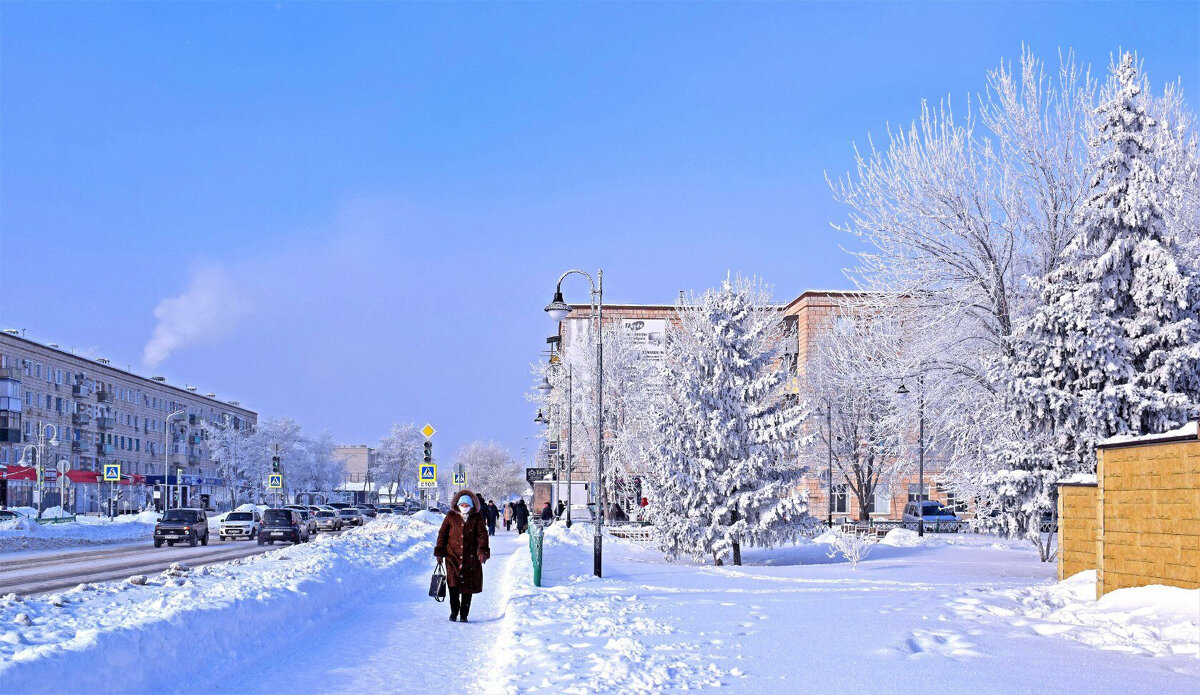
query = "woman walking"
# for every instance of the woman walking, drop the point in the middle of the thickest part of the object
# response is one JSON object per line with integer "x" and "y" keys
{"x": 508, "y": 516}
{"x": 463, "y": 543}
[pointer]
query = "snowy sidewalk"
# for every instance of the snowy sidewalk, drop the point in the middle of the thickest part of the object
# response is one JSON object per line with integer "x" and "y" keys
{"x": 394, "y": 640}
{"x": 962, "y": 613}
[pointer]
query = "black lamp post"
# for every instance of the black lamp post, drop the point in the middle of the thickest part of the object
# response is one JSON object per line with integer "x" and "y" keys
{"x": 903, "y": 391}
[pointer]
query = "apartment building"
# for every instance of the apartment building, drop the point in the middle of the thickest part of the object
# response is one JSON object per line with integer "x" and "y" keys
{"x": 809, "y": 316}
{"x": 101, "y": 414}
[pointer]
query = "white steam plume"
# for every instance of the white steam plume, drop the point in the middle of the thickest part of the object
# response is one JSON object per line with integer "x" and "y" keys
{"x": 207, "y": 310}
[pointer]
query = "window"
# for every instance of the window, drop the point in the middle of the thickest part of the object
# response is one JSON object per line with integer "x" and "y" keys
{"x": 881, "y": 500}
{"x": 841, "y": 499}
{"x": 912, "y": 492}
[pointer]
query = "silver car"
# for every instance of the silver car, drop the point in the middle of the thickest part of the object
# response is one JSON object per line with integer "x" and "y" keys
{"x": 240, "y": 525}
{"x": 351, "y": 516}
{"x": 328, "y": 520}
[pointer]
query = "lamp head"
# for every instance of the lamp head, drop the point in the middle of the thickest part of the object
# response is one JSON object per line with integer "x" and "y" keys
{"x": 557, "y": 308}
{"x": 540, "y": 419}
{"x": 903, "y": 390}
{"x": 545, "y": 386}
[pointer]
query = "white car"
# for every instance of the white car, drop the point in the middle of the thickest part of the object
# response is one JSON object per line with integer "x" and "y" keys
{"x": 241, "y": 524}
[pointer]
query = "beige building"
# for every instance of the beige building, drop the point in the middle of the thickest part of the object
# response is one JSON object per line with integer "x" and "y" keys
{"x": 101, "y": 415}
{"x": 810, "y": 315}
{"x": 359, "y": 461}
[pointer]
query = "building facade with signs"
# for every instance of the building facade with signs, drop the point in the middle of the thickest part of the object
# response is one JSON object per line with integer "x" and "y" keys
{"x": 100, "y": 414}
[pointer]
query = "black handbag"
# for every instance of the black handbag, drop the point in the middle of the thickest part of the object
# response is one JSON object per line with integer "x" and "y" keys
{"x": 437, "y": 583}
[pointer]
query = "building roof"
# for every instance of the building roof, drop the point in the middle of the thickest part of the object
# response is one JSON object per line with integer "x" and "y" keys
{"x": 93, "y": 364}
{"x": 1187, "y": 433}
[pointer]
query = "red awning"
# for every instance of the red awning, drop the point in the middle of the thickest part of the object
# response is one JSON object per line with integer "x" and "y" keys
{"x": 21, "y": 473}
{"x": 84, "y": 476}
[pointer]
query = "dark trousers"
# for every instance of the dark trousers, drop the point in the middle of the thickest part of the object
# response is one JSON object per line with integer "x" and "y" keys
{"x": 491, "y": 528}
{"x": 460, "y": 604}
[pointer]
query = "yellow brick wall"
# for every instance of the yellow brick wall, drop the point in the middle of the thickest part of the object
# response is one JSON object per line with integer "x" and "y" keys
{"x": 1076, "y": 529}
{"x": 1148, "y": 512}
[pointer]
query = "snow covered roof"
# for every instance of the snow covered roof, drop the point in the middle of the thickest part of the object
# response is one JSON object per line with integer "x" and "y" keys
{"x": 1079, "y": 479}
{"x": 1185, "y": 433}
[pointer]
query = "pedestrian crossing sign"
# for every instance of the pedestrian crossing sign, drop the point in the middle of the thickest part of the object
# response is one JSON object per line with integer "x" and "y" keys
{"x": 112, "y": 472}
{"x": 460, "y": 478}
{"x": 275, "y": 481}
{"x": 428, "y": 473}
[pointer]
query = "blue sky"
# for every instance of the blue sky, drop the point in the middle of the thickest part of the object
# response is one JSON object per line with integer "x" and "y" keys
{"x": 354, "y": 214}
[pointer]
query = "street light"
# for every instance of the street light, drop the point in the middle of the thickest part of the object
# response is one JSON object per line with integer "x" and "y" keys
{"x": 570, "y": 431}
{"x": 829, "y": 449}
{"x": 558, "y": 310}
{"x": 167, "y": 460}
{"x": 903, "y": 391}
{"x": 39, "y": 450}
{"x": 541, "y": 419}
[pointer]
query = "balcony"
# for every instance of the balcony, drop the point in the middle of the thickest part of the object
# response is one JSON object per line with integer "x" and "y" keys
{"x": 8, "y": 434}
{"x": 104, "y": 396}
{"x": 104, "y": 449}
{"x": 81, "y": 391}
{"x": 10, "y": 373}
{"x": 81, "y": 419}
{"x": 76, "y": 446}
{"x": 104, "y": 423}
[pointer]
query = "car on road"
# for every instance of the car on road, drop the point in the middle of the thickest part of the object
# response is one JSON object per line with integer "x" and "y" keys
{"x": 385, "y": 510}
{"x": 368, "y": 510}
{"x": 310, "y": 520}
{"x": 328, "y": 520}
{"x": 181, "y": 526}
{"x": 244, "y": 524}
{"x": 339, "y": 505}
{"x": 932, "y": 511}
{"x": 351, "y": 517}
{"x": 283, "y": 525}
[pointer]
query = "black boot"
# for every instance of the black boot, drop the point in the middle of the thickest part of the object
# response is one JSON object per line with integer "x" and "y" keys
{"x": 465, "y": 609}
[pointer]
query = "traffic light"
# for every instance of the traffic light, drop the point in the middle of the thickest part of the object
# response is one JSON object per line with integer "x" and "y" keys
{"x": 428, "y": 451}
{"x": 274, "y": 464}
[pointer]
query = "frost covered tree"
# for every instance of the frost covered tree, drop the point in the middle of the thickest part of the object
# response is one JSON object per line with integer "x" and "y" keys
{"x": 1114, "y": 348}
{"x": 491, "y": 470}
{"x": 400, "y": 452}
{"x": 853, "y": 375}
{"x": 729, "y": 432}
{"x": 230, "y": 450}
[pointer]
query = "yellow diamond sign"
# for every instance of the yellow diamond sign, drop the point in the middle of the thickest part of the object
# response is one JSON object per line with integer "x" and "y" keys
{"x": 428, "y": 431}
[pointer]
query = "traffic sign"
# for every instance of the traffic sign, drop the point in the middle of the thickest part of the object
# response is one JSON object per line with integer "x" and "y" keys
{"x": 460, "y": 478}
{"x": 426, "y": 484}
{"x": 112, "y": 472}
{"x": 428, "y": 431}
{"x": 428, "y": 473}
{"x": 63, "y": 466}
{"x": 275, "y": 481}
{"x": 64, "y": 482}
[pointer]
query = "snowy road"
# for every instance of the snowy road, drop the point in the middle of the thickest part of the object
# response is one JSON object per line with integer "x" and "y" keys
{"x": 37, "y": 573}
{"x": 397, "y": 640}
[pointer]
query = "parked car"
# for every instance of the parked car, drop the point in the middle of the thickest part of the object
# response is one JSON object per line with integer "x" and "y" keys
{"x": 181, "y": 525}
{"x": 328, "y": 520}
{"x": 932, "y": 511}
{"x": 240, "y": 525}
{"x": 351, "y": 517}
{"x": 385, "y": 510}
{"x": 367, "y": 510}
{"x": 283, "y": 525}
{"x": 9, "y": 515}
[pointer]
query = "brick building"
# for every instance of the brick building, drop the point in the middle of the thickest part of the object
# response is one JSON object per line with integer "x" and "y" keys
{"x": 100, "y": 415}
{"x": 810, "y": 316}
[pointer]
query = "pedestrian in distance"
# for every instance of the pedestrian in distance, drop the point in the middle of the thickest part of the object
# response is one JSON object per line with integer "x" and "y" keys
{"x": 562, "y": 506}
{"x": 492, "y": 515}
{"x": 463, "y": 543}
{"x": 508, "y": 516}
{"x": 521, "y": 515}
{"x": 547, "y": 513}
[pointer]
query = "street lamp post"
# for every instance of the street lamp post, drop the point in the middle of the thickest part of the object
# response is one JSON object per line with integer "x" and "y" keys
{"x": 558, "y": 311}
{"x": 829, "y": 449}
{"x": 167, "y": 459}
{"x": 920, "y": 449}
{"x": 39, "y": 451}
{"x": 546, "y": 387}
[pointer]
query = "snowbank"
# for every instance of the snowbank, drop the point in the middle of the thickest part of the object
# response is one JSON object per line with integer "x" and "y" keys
{"x": 88, "y": 634}
{"x": 428, "y": 517}
{"x": 28, "y": 534}
{"x": 1153, "y": 620}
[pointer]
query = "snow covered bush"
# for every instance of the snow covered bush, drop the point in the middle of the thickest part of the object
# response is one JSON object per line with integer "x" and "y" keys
{"x": 853, "y": 547}
{"x": 728, "y": 430}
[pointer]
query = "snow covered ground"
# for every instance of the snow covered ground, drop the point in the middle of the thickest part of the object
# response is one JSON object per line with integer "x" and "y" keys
{"x": 956, "y": 613}
{"x": 349, "y": 614}
{"x": 26, "y": 534}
